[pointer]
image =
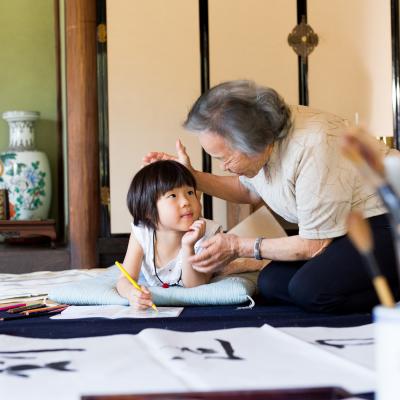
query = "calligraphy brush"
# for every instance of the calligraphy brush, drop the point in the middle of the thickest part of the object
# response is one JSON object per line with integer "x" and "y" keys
{"x": 363, "y": 151}
{"x": 392, "y": 170}
{"x": 360, "y": 235}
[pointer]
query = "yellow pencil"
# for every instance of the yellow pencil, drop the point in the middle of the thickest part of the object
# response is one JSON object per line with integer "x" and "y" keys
{"x": 131, "y": 280}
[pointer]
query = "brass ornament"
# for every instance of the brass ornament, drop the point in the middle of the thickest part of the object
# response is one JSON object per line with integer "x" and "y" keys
{"x": 388, "y": 140}
{"x": 303, "y": 39}
{"x": 105, "y": 195}
{"x": 102, "y": 33}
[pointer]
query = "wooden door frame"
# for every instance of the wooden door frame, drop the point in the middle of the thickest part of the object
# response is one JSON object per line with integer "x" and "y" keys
{"x": 83, "y": 138}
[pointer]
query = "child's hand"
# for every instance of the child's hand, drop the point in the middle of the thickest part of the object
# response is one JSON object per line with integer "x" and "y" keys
{"x": 140, "y": 300}
{"x": 195, "y": 232}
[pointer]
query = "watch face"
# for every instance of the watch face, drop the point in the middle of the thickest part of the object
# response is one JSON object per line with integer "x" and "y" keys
{"x": 257, "y": 244}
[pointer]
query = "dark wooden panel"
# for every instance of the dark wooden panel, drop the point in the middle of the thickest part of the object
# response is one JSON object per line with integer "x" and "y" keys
{"x": 60, "y": 218}
{"x": 323, "y": 393}
{"x": 83, "y": 143}
{"x": 112, "y": 249}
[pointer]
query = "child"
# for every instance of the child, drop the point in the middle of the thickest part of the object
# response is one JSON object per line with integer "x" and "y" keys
{"x": 166, "y": 231}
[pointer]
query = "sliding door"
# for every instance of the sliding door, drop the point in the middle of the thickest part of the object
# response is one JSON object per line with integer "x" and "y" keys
{"x": 248, "y": 40}
{"x": 350, "y": 72}
{"x": 153, "y": 77}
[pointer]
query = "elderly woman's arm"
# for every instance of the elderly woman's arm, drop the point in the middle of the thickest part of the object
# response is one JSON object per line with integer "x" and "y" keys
{"x": 289, "y": 248}
{"x": 223, "y": 248}
{"x": 228, "y": 188}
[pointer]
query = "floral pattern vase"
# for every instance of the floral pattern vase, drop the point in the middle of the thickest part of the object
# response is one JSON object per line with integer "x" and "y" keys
{"x": 24, "y": 171}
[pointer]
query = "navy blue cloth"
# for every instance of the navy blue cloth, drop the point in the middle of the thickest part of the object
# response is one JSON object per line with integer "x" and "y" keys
{"x": 335, "y": 281}
{"x": 192, "y": 319}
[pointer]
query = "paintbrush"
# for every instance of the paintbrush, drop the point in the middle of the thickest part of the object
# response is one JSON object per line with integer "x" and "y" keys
{"x": 392, "y": 171}
{"x": 360, "y": 235}
{"x": 363, "y": 150}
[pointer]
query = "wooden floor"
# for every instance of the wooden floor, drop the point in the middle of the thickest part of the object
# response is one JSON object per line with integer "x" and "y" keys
{"x": 21, "y": 259}
{"x": 24, "y": 258}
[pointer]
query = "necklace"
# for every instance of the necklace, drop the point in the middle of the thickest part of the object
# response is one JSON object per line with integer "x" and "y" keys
{"x": 165, "y": 285}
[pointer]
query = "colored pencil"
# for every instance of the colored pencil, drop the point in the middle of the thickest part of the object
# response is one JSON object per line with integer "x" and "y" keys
{"x": 6, "y": 308}
{"x": 47, "y": 308}
{"x": 20, "y": 297}
{"x": 131, "y": 280}
{"x": 39, "y": 314}
{"x": 25, "y": 308}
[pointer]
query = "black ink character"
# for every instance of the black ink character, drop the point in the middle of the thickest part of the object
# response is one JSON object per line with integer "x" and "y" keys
{"x": 226, "y": 347}
{"x": 343, "y": 343}
{"x": 19, "y": 370}
{"x": 38, "y": 351}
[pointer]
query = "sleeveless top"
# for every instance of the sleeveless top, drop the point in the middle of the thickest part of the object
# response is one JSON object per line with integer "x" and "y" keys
{"x": 171, "y": 272}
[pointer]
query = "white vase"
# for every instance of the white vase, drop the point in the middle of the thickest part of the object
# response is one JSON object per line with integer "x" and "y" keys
{"x": 24, "y": 171}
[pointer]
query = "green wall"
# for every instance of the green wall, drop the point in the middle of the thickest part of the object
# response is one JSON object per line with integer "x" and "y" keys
{"x": 28, "y": 73}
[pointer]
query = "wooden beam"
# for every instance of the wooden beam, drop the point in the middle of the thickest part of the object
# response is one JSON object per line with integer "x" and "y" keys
{"x": 83, "y": 144}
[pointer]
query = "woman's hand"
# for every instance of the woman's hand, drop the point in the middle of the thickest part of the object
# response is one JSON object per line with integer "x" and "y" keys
{"x": 140, "y": 300}
{"x": 195, "y": 232}
{"x": 181, "y": 157}
{"x": 217, "y": 251}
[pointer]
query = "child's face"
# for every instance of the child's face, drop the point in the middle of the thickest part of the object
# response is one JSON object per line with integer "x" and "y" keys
{"x": 178, "y": 209}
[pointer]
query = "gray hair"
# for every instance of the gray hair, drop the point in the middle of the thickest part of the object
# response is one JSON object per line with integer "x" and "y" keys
{"x": 247, "y": 115}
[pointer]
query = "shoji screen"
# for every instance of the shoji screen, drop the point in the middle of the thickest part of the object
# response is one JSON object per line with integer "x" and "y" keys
{"x": 248, "y": 40}
{"x": 350, "y": 69}
{"x": 154, "y": 76}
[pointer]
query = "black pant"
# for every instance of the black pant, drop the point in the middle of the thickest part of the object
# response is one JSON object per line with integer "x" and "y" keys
{"x": 335, "y": 281}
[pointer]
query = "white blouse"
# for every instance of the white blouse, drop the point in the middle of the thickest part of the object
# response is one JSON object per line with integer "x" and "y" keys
{"x": 308, "y": 181}
{"x": 172, "y": 272}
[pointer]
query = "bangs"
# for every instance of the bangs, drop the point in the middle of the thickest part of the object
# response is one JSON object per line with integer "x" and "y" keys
{"x": 172, "y": 175}
{"x": 150, "y": 183}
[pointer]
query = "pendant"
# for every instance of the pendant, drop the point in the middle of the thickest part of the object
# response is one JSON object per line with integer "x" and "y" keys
{"x": 165, "y": 285}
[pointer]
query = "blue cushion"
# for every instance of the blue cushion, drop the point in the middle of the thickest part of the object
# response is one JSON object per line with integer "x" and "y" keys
{"x": 99, "y": 290}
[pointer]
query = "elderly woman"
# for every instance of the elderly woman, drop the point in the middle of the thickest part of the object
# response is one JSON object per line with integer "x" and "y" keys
{"x": 289, "y": 158}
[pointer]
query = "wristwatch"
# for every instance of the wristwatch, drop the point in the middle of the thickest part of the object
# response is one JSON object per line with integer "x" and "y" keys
{"x": 257, "y": 245}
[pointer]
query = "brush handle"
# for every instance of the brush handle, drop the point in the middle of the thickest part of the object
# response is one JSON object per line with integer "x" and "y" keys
{"x": 371, "y": 264}
{"x": 379, "y": 281}
{"x": 390, "y": 200}
{"x": 383, "y": 291}
{"x": 392, "y": 203}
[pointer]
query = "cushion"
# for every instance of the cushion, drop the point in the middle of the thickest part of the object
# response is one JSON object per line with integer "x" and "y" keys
{"x": 100, "y": 290}
{"x": 229, "y": 289}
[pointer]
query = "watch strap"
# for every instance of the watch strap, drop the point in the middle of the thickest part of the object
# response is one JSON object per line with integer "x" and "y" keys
{"x": 257, "y": 248}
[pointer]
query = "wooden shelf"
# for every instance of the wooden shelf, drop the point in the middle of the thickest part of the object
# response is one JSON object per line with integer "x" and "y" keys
{"x": 25, "y": 229}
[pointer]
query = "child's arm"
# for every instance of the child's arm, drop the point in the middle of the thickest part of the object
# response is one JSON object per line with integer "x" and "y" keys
{"x": 191, "y": 277}
{"x": 132, "y": 263}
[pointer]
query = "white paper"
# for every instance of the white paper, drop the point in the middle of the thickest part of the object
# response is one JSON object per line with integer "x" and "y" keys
{"x": 355, "y": 344}
{"x": 158, "y": 360}
{"x": 114, "y": 312}
{"x": 98, "y": 365}
{"x": 270, "y": 359}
